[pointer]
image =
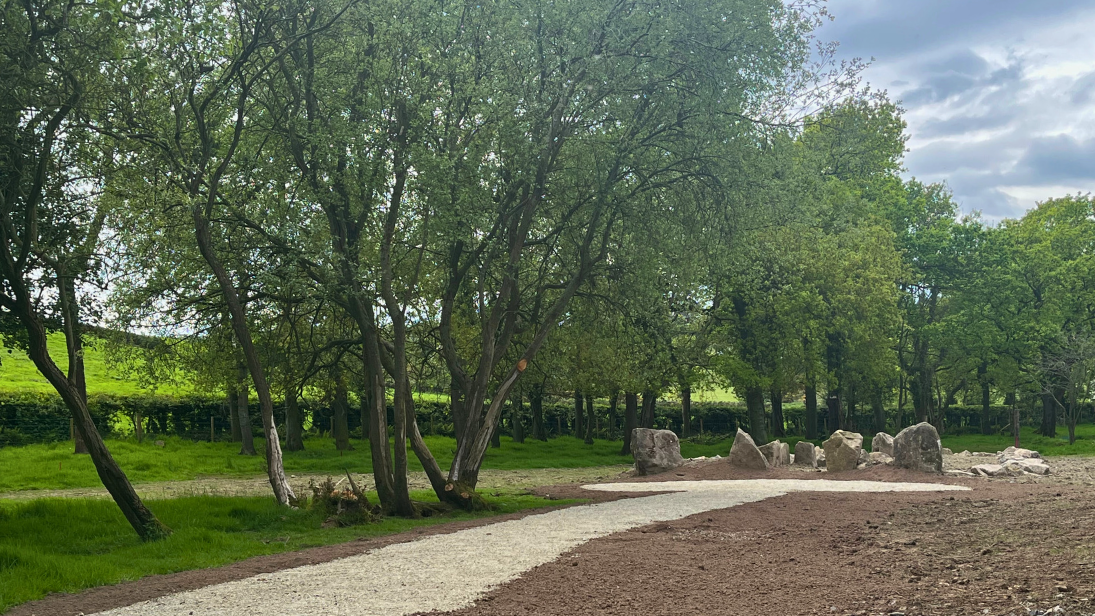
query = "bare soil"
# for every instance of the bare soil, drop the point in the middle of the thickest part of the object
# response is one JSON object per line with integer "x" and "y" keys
{"x": 1001, "y": 548}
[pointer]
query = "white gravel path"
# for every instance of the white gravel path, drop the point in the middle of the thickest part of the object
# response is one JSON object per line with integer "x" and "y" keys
{"x": 448, "y": 572}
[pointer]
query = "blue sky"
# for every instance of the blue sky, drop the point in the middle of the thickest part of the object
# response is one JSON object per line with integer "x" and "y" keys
{"x": 999, "y": 94}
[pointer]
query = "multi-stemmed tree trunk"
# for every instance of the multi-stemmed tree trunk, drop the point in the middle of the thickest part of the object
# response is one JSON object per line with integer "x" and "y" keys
{"x": 579, "y": 413}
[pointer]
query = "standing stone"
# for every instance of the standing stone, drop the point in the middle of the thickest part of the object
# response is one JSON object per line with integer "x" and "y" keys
{"x": 655, "y": 451}
{"x": 882, "y": 443}
{"x": 842, "y": 451}
{"x": 819, "y": 456}
{"x": 918, "y": 448}
{"x": 745, "y": 454}
{"x": 804, "y": 454}
{"x": 777, "y": 453}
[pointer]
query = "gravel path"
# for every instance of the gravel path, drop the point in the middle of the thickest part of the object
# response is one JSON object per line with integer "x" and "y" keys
{"x": 448, "y": 572}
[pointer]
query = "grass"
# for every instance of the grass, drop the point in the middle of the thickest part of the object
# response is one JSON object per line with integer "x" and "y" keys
{"x": 19, "y": 375}
{"x": 65, "y": 545}
{"x": 1028, "y": 438}
{"x": 53, "y": 466}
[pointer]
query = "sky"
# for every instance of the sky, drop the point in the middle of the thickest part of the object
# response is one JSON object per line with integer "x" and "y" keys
{"x": 999, "y": 94}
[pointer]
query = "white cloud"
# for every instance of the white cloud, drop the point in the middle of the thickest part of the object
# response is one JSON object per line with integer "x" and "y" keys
{"x": 1000, "y": 94}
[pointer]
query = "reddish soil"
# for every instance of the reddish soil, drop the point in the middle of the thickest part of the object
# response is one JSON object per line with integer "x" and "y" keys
{"x": 1000, "y": 549}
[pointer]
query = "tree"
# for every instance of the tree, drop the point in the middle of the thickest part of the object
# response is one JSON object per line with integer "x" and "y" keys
{"x": 51, "y": 55}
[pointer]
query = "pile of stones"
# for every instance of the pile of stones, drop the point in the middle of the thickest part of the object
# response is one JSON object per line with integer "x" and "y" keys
{"x": 1013, "y": 462}
{"x": 916, "y": 447}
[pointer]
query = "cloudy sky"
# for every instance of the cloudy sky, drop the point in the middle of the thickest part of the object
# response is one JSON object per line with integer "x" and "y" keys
{"x": 1000, "y": 94}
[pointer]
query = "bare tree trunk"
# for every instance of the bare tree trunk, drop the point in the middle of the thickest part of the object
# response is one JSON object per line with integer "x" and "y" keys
{"x": 686, "y": 411}
{"x": 516, "y": 427}
{"x": 274, "y": 465}
{"x": 579, "y": 414}
{"x": 1049, "y": 415}
{"x": 536, "y": 405}
{"x": 754, "y": 406}
{"x": 986, "y": 408}
{"x": 631, "y": 420}
{"x": 231, "y": 401}
{"x": 294, "y": 422}
{"x": 779, "y": 428}
{"x": 811, "y": 411}
{"x": 649, "y": 406}
{"x": 114, "y": 480}
{"x": 590, "y": 420}
{"x": 879, "y": 410}
{"x": 340, "y": 413}
{"x": 243, "y": 417}
{"x": 613, "y": 405}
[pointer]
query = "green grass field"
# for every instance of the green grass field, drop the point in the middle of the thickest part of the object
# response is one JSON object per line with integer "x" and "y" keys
{"x": 18, "y": 374}
{"x": 65, "y": 545}
{"x": 53, "y": 466}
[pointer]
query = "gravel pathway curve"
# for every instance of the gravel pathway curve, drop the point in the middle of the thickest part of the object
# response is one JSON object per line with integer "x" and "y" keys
{"x": 448, "y": 572}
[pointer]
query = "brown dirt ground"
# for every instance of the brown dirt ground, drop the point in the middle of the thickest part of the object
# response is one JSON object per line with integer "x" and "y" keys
{"x": 1002, "y": 548}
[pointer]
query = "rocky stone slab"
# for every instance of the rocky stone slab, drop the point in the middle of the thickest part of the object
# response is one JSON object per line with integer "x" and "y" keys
{"x": 744, "y": 453}
{"x": 655, "y": 451}
{"x": 842, "y": 451}
{"x": 918, "y": 448}
{"x": 804, "y": 454}
{"x": 883, "y": 443}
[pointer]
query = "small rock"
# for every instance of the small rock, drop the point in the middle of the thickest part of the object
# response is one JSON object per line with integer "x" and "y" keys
{"x": 160, "y": 444}
{"x": 744, "y": 453}
{"x": 957, "y": 473}
{"x": 842, "y": 451}
{"x": 1016, "y": 453}
{"x": 805, "y": 454}
{"x": 882, "y": 442}
{"x": 877, "y": 457}
{"x": 655, "y": 451}
{"x": 989, "y": 470}
{"x": 947, "y": 451}
{"x": 773, "y": 452}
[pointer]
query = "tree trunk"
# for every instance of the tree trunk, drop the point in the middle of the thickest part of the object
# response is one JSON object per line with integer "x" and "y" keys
{"x": 516, "y": 426}
{"x": 879, "y": 410}
{"x": 686, "y": 411}
{"x": 536, "y": 403}
{"x": 495, "y": 436}
{"x": 811, "y": 411}
{"x": 579, "y": 414}
{"x": 1049, "y": 415}
{"x": 243, "y": 417}
{"x": 986, "y": 408}
{"x": 114, "y": 480}
{"x": 758, "y": 424}
{"x": 231, "y": 401}
{"x": 631, "y": 403}
{"x": 365, "y": 402}
{"x": 836, "y": 410}
{"x": 456, "y": 408}
{"x": 613, "y": 404}
{"x": 294, "y": 423}
{"x": 274, "y": 466}
{"x": 778, "y": 426}
{"x": 590, "y": 420}
{"x": 650, "y": 405}
{"x": 340, "y": 413}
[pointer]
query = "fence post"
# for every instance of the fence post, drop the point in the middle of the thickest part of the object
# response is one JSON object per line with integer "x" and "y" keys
{"x": 211, "y": 434}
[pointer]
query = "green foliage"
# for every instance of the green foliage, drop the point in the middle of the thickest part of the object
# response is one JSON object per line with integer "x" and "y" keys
{"x": 66, "y": 545}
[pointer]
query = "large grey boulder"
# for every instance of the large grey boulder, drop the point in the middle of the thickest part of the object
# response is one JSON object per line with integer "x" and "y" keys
{"x": 918, "y": 448}
{"x": 777, "y": 453}
{"x": 882, "y": 443}
{"x": 804, "y": 454}
{"x": 655, "y": 451}
{"x": 842, "y": 451}
{"x": 744, "y": 453}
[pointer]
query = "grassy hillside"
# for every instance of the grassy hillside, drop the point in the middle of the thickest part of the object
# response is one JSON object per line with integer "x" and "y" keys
{"x": 18, "y": 374}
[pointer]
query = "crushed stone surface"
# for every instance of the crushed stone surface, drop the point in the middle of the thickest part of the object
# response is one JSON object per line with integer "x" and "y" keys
{"x": 450, "y": 571}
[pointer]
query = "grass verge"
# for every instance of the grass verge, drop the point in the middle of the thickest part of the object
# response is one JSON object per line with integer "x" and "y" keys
{"x": 66, "y": 545}
{"x": 53, "y": 466}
